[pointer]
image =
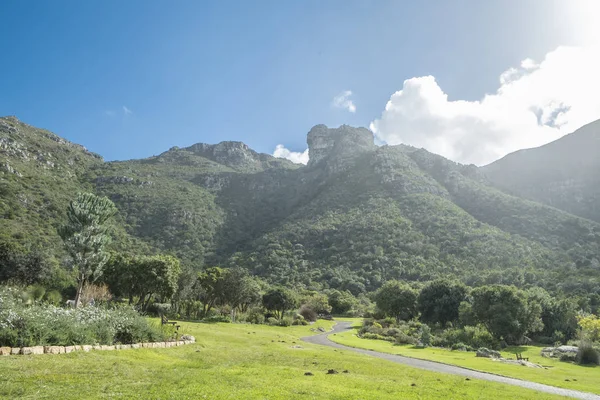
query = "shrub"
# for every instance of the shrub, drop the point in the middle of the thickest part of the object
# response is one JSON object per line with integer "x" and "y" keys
{"x": 217, "y": 318}
{"x": 255, "y": 316}
{"x": 403, "y": 338}
{"x": 377, "y": 337}
{"x": 308, "y": 313}
{"x": 272, "y": 321}
{"x": 42, "y": 324}
{"x": 568, "y": 357}
{"x": 587, "y": 354}
{"x": 461, "y": 347}
{"x": 425, "y": 335}
{"x": 53, "y": 297}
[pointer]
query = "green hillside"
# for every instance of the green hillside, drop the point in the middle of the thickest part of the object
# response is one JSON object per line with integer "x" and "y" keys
{"x": 354, "y": 217}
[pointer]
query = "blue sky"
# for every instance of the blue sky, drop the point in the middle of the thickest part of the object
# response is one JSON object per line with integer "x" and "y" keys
{"x": 130, "y": 79}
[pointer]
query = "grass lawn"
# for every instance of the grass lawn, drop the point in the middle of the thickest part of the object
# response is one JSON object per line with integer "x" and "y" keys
{"x": 561, "y": 374}
{"x": 235, "y": 361}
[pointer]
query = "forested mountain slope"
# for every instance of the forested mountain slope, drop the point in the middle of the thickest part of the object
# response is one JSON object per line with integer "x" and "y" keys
{"x": 564, "y": 174}
{"x": 354, "y": 217}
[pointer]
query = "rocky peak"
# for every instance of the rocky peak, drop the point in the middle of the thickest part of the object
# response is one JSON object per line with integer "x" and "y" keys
{"x": 233, "y": 154}
{"x": 345, "y": 141}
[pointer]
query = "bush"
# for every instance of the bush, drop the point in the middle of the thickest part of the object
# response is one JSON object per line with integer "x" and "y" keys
{"x": 39, "y": 324}
{"x": 377, "y": 337}
{"x": 255, "y": 316}
{"x": 217, "y": 318}
{"x": 567, "y": 357}
{"x": 461, "y": 347}
{"x": 425, "y": 337}
{"x": 472, "y": 336}
{"x": 403, "y": 338}
{"x": 53, "y": 297}
{"x": 308, "y": 313}
{"x": 587, "y": 354}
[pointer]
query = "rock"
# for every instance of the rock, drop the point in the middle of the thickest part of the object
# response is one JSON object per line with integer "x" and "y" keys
{"x": 337, "y": 145}
{"x": 190, "y": 338}
{"x": 15, "y": 350}
{"x": 136, "y": 346}
{"x": 484, "y": 352}
{"x": 567, "y": 349}
{"x": 296, "y": 347}
{"x": 332, "y": 372}
{"x": 4, "y": 351}
{"x": 125, "y": 347}
{"x": 566, "y": 352}
{"x": 105, "y": 348}
{"x": 321, "y": 329}
{"x": 54, "y": 350}
{"x": 69, "y": 349}
{"x": 32, "y": 350}
{"x": 86, "y": 348}
{"x": 518, "y": 362}
{"x": 308, "y": 374}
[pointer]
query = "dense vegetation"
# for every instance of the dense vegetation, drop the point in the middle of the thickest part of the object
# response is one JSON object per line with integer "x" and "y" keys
{"x": 355, "y": 218}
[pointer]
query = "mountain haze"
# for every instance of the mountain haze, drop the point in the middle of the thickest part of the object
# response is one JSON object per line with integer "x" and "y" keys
{"x": 564, "y": 174}
{"x": 355, "y": 216}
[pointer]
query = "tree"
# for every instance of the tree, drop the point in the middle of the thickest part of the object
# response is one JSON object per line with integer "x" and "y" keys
{"x": 22, "y": 266}
{"x": 209, "y": 285}
{"x": 559, "y": 316}
{"x": 342, "y": 301}
{"x": 239, "y": 290}
{"x": 143, "y": 277}
{"x": 279, "y": 300}
{"x": 439, "y": 301}
{"x": 86, "y": 236}
{"x": 318, "y": 302}
{"x": 505, "y": 312}
{"x": 397, "y": 299}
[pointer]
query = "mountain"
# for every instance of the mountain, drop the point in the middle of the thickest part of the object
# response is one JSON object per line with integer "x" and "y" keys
{"x": 355, "y": 216}
{"x": 564, "y": 174}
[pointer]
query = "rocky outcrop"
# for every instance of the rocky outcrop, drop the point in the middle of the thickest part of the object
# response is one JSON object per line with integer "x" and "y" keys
{"x": 560, "y": 351}
{"x": 485, "y": 352}
{"x": 338, "y": 144}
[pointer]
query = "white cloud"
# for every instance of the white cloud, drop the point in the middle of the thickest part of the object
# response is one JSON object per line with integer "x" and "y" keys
{"x": 342, "y": 100}
{"x": 127, "y": 111}
{"x": 534, "y": 104}
{"x": 293, "y": 156}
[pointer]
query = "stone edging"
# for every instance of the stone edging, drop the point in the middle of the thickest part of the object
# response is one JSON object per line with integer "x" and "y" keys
{"x": 8, "y": 351}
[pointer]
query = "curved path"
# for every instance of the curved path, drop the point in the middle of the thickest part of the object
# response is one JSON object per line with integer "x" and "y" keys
{"x": 323, "y": 339}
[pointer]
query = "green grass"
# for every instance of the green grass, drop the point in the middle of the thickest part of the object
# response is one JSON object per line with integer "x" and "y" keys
{"x": 235, "y": 361}
{"x": 584, "y": 378}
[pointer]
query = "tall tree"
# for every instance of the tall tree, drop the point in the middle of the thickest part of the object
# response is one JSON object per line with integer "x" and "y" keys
{"x": 439, "y": 301}
{"x": 506, "y": 312}
{"x": 143, "y": 277}
{"x": 279, "y": 300}
{"x": 239, "y": 290}
{"x": 209, "y": 284}
{"x": 397, "y": 299}
{"x": 86, "y": 236}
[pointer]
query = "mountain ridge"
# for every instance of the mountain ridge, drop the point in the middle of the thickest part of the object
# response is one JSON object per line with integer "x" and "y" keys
{"x": 355, "y": 216}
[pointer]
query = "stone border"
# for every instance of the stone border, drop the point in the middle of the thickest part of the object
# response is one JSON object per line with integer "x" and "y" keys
{"x": 11, "y": 351}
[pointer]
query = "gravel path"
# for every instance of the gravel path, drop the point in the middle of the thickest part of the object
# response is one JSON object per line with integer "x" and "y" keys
{"x": 323, "y": 339}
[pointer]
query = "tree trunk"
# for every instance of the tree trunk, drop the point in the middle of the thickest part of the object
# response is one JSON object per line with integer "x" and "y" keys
{"x": 80, "y": 282}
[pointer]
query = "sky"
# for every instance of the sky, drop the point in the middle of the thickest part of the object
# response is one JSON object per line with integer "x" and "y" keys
{"x": 471, "y": 80}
